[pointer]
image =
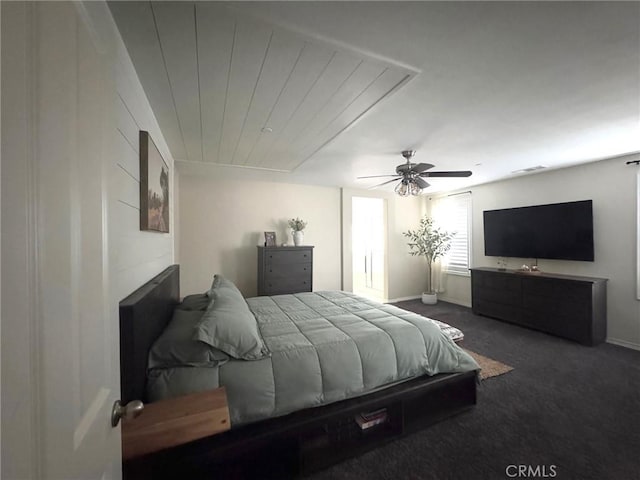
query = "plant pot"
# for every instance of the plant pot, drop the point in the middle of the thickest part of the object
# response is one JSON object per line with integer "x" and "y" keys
{"x": 298, "y": 238}
{"x": 429, "y": 298}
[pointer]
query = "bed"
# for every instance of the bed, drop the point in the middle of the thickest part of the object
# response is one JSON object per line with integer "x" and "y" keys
{"x": 293, "y": 389}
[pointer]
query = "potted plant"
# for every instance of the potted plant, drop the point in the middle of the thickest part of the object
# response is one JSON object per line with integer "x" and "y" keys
{"x": 430, "y": 242}
{"x": 297, "y": 226}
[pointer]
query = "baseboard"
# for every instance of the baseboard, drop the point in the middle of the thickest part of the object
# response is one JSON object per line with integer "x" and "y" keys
{"x": 417, "y": 297}
{"x": 454, "y": 301}
{"x": 403, "y": 299}
{"x": 624, "y": 343}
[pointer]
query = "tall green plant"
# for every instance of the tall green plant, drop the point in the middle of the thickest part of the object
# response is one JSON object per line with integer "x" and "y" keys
{"x": 430, "y": 242}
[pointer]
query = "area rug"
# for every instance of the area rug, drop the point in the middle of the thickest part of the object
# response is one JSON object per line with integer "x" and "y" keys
{"x": 490, "y": 367}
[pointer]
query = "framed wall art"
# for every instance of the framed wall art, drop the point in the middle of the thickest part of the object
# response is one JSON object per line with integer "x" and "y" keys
{"x": 154, "y": 187}
{"x": 269, "y": 239}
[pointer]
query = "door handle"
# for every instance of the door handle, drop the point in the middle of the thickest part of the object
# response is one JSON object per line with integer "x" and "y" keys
{"x": 129, "y": 411}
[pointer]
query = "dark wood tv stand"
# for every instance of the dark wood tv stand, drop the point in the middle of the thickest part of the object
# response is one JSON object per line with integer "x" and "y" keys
{"x": 568, "y": 306}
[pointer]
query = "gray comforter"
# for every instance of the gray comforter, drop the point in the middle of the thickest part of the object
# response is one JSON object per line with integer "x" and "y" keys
{"x": 325, "y": 347}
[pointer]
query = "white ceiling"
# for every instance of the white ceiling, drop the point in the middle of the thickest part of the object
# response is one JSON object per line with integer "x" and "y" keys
{"x": 492, "y": 87}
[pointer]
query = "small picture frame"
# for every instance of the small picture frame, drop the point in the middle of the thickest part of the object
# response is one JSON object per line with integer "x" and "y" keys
{"x": 269, "y": 239}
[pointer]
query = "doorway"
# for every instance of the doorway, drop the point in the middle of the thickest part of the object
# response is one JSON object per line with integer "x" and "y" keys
{"x": 368, "y": 247}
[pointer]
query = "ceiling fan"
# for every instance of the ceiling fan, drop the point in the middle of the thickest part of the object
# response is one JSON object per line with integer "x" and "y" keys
{"x": 411, "y": 175}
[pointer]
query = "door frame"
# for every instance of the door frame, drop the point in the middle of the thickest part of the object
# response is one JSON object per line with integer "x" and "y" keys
{"x": 346, "y": 199}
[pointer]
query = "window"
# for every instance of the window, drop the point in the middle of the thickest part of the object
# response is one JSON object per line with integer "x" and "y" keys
{"x": 453, "y": 213}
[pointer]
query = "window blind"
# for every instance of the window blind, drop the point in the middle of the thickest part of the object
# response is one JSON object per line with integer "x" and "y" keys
{"x": 454, "y": 214}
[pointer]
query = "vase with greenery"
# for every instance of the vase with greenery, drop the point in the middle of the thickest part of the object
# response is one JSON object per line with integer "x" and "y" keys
{"x": 432, "y": 243}
{"x": 297, "y": 226}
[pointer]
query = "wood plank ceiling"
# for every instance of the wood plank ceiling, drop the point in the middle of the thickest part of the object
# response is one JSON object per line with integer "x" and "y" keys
{"x": 234, "y": 90}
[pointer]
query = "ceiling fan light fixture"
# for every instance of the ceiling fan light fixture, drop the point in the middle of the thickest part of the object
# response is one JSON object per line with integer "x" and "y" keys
{"x": 403, "y": 188}
{"x": 408, "y": 186}
{"x": 412, "y": 176}
{"x": 415, "y": 189}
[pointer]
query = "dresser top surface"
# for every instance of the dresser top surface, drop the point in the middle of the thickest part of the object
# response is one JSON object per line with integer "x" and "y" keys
{"x": 559, "y": 276}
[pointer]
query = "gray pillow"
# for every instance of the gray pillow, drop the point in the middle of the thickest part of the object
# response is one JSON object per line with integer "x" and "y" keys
{"x": 229, "y": 325}
{"x": 220, "y": 281}
{"x": 199, "y": 301}
{"x": 176, "y": 346}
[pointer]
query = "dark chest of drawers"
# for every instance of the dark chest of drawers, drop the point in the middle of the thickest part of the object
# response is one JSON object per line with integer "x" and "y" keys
{"x": 283, "y": 270}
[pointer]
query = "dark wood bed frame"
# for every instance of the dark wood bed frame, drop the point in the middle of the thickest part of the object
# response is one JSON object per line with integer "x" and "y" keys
{"x": 282, "y": 447}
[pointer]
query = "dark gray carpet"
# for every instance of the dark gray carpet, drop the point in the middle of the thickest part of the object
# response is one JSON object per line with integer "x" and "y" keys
{"x": 574, "y": 407}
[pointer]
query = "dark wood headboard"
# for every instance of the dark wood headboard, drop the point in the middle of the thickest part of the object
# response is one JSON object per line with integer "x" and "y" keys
{"x": 143, "y": 316}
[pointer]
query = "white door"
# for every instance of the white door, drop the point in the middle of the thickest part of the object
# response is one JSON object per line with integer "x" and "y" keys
{"x": 73, "y": 336}
{"x": 368, "y": 247}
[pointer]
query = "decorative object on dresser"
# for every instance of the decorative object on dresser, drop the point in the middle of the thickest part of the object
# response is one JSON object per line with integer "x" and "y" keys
{"x": 564, "y": 305}
{"x": 284, "y": 270}
{"x": 154, "y": 187}
{"x": 297, "y": 228}
{"x": 432, "y": 243}
{"x": 269, "y": 239}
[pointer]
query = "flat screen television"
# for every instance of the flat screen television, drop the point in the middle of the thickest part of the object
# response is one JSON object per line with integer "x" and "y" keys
{"x": 562, "y": 231}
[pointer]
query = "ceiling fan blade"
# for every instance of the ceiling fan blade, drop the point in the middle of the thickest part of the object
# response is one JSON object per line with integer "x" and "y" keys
{"x": 379, "y": 176}
{"x": 455, "y": 173}
{"x": 383, "y": 183}
{"x": 421, "y": 167}
{"x": 421, "y": 182}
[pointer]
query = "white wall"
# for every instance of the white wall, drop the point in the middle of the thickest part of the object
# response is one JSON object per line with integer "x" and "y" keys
{"x": 139, "y": 256}
{"x": 406, "y": 274}
{"x": 612, "y": 186}
{"x": 222, "y": 222}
